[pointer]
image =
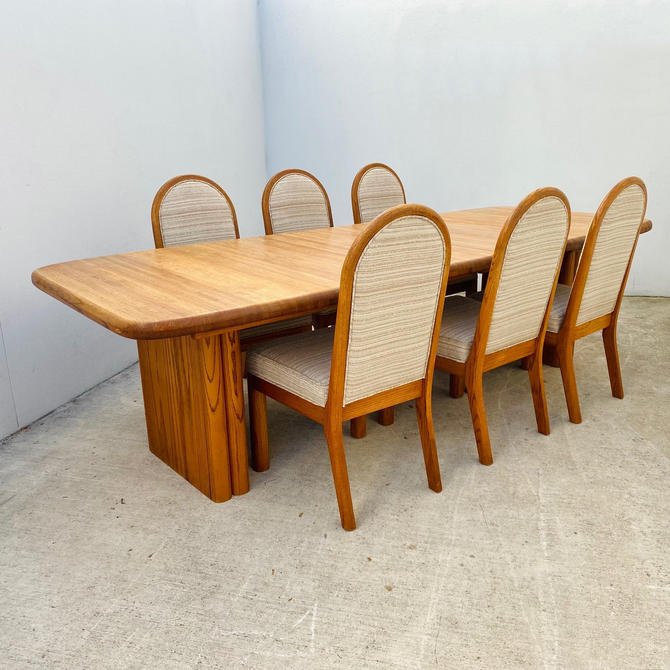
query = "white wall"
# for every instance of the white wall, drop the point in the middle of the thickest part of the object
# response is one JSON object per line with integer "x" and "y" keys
{"x": 476, "y": 103}
{"x": 101, "y": 103}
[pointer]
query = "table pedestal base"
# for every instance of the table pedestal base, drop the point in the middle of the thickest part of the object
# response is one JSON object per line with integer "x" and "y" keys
{"x": 184, "y": 385}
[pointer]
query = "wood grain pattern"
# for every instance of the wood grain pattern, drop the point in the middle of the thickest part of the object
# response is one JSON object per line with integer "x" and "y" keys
{"x": 233, "y": 374}
{"x": 182, "y": 383}
{"x": 204, "y": 287}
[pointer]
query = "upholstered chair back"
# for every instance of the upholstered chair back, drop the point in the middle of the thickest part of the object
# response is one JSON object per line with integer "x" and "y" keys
{"x": 612, "y": 251}
{"x": 376, "y": 188}
{"x": 530, "y": 266}
{"x": 191, "y": 209}
{"x": 295, "y": 200}
{"x": 395, "y": 287}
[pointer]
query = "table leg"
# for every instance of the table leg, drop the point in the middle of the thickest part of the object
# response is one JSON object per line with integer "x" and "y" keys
{"x": 184, "y": 403}
{"x": 233, "y": 376}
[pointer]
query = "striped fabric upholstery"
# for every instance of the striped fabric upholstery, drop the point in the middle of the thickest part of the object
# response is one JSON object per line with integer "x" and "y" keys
{"x": 378, "y": 190}
{"x": 396, "y": 290}
{"x": 559, "y": 307}
{"x": 299, "y": 364}
{"x": 534, "y": 252}
{"x": 194, "y": 211}
{"x": 395, "y": 295}
{"x": 459, "y": 321}
{"x": 611, "y": 254}
{"x": 297, "y": 202}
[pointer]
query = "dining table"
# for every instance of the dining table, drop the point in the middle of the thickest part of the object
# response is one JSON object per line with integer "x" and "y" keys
{"x": 186, "y": 306}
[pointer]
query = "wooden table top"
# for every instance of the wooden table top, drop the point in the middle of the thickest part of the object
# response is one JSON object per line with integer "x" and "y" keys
{"x": 211, "y": 286}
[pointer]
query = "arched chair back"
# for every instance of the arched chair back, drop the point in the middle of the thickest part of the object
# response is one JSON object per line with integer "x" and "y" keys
{"x": 389, "y": 298}
{"x": 190, "y": 209}
{"x": 376, "y": 188}
{"x": 608, "y": 250}
{"x": 524, "y": 271}
{"x": 295, "y": 200}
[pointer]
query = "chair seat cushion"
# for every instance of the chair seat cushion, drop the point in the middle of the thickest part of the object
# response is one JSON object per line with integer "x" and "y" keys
{"x": 558, "y": 308}
{"x": 276, "y": 327}
{"x": 299, "y": 364}
{"x": 457, "y": 331}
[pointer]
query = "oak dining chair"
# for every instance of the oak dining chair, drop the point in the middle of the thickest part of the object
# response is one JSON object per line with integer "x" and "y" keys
{"x": 376, "y": 188}
{"x": 510, "y": 322}
{"x": 295, "y": 200}
{"x": 593, "y": 301}
{"x": 190, "y": 209}
{"x": 371, "y": 358}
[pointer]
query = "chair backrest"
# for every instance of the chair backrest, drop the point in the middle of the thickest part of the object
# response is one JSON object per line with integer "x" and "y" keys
{"x": 295, "y": 200}
{"x": 191, "y": 209}
{"x": 524, "y": 271}
{"x": 607, "y": 254}
{"x": 376, "y": 188}
{"x": 390, "y": 304}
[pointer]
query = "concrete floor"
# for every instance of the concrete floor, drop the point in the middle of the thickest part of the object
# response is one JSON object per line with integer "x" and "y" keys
{"x": 554, "y": 557}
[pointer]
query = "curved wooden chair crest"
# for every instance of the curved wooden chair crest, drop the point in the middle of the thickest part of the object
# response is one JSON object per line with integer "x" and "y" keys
{"x": 511, "y": 321}
{"x": 594, "y": 300}
{"x": 370, "y": 359}
{"x": 190, "y": 209}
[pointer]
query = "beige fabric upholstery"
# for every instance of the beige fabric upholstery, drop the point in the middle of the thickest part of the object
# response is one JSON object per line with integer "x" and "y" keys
{"x": 459, "y": 321}
{"x": 299, "y": 364}
{"x": 276, "y": 327}
{"x": 534, "y": 252}
{"x": 611, "y": 254}
{"x": 558, "y": 307}
{"x": 296, "y": 202}
{"x": 395, "y": 296}
{"x": 194, "y": 211}
{"x": 378, "y": 190}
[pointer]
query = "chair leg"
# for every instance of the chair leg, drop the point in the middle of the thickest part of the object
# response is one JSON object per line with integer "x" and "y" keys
{"x": 566, "y": 360}
{"x": 612, "y": 355}
{"x": 539, "y": 396}
{"x": 258, "y": 421}
{"x": 358, "y": 426}
{"x": 525, "y": 362}
{"x": 478, "y": 412}
{"x": 424, "y": 416}
{"x": 456, "y": 385}
{"x": 386, "y": 416}
{"x": 338, "y": 464}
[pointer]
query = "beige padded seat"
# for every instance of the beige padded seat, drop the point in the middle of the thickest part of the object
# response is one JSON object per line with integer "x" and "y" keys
{"x": 459, "y": 321}
{"x": 297, "y": 363}
{"x": 558, "y": 308}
